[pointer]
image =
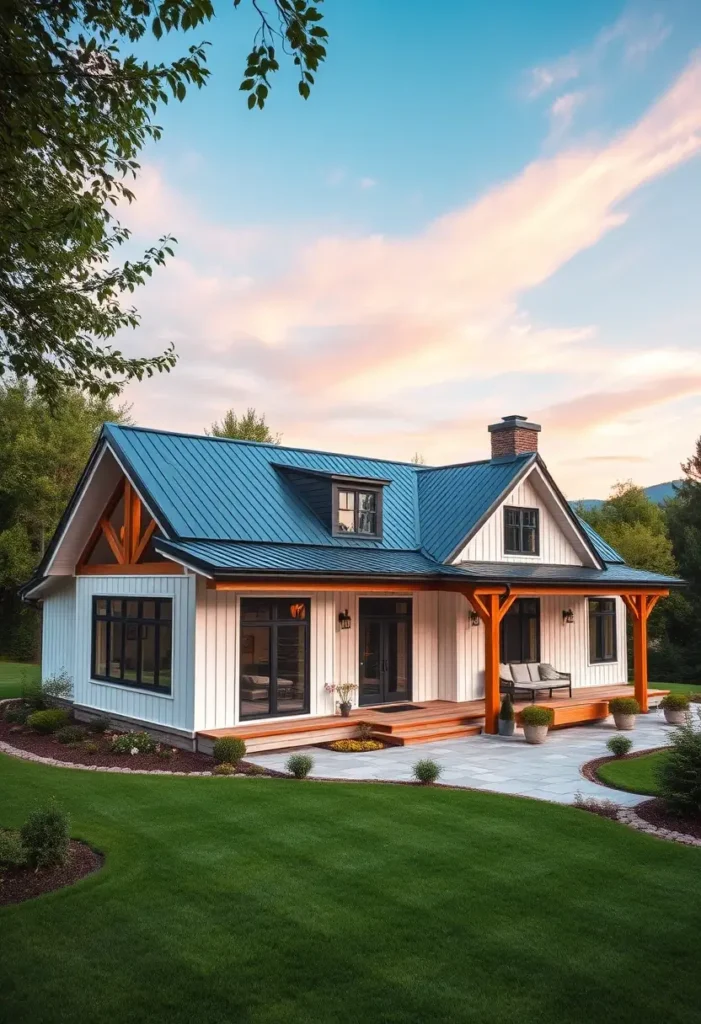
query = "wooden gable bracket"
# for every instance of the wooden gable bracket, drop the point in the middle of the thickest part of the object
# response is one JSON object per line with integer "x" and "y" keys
{"x": 128, "y": 542}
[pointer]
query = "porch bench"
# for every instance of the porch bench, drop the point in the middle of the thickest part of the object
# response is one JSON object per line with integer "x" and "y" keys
{"x": 531, "y": 678}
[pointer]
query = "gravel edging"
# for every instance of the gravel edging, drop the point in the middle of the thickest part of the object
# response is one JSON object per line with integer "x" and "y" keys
{"x": 628, "y": 816}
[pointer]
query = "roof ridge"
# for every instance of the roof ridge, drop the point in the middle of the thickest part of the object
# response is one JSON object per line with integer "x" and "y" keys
{"x": 266, "y": 444}
{"x": 291, "y": 544}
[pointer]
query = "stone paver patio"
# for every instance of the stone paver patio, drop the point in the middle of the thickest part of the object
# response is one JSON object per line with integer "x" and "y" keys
{"x": 546, "y": 772}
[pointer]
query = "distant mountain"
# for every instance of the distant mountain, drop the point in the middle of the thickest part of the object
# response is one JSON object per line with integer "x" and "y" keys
{"x": 656, "y": 492}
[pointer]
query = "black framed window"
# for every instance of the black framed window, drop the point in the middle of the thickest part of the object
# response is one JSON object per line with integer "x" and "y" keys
{"x": 132, "y": 642}
{"x": 602, "y": 629}
{"x": 520, "y": 631}
{"x": 357, "y": 511}
{"x": 521, "y": 531}
{"x": 274, "y": 672}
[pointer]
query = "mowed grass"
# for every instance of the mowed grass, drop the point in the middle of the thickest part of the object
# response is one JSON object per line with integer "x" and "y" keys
{"x": 12, "y": 675}
{"x": 282, "y": 902}
{"x": 636, "y": 775}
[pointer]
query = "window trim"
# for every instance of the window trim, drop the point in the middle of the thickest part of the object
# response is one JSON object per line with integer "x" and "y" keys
{"x": 152, "y": 689}
{"x": 356, "y": 488}
{"x": 519, "y": 551}
{"x": 597, "y": 617}
{"x": 272, "y": 623}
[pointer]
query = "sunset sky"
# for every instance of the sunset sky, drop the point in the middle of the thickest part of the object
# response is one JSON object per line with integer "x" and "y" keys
{"x": 483, "y": 209}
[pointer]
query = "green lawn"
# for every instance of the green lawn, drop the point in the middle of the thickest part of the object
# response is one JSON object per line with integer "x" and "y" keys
{"x": 686, "y": 688}
{"x": 258, "y": 901}
{"x": 636, "y": 775}
{"x": 11, "y": 675}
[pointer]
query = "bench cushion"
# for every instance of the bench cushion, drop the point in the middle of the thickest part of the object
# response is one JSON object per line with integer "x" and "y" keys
{"x": 505, "y": 672}
{"x": 520, "y": 673}
{"x": 548, "y": 672}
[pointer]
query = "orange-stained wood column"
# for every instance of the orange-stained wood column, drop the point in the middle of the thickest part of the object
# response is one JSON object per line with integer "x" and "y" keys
{"x": 491, "y": 665}
{"x": 640, "y": 606}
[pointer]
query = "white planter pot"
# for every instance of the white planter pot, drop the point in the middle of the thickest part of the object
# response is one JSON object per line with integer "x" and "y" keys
{"x": 624, "y": 722}
{"x": 674, "y": 716}
{"x": 535, "y": 733}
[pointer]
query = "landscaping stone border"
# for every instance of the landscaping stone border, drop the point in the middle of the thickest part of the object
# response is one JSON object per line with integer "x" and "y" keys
{"x": 27, "y": 755}
{"x": 627, "y": 816}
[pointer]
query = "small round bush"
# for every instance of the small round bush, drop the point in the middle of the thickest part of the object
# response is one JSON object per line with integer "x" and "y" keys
{"x": 165, "y": 753}
{"x": 426, "y": 771}
{"x": 45, "y": 836}
{"x": 229, "y": 750}
{"x": 90, "y": 747}
{"x": 18, "y": 714}
{"x": 299, "y": 765}
{"x": 506, "y": 712}
{"x": 624, "y": 706}
{"x": 364, "y": 731}
{"x": 675, "y": 702}
{"x": 535, "y": 714}
{"x": 224, "y": 768}
{"x": 70, "y": 734}
{"x": 619, "y": 745}
{"x": 12, "y": 852}
{"x": 48, "y": 721}
{"x": 99, "y": 725}
{"x": 133, "y": 743}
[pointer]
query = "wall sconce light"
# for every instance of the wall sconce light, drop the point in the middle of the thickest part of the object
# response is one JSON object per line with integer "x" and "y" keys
{"x": 474, "y": 618}
{"x": 567, "y": 616}
{"x": 344, "y": 620}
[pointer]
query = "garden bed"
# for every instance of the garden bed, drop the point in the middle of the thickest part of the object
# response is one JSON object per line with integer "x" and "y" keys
{"x": 25, "y": 883}
{"x": 590, "y": 770}
{"x": 657, "y": 813}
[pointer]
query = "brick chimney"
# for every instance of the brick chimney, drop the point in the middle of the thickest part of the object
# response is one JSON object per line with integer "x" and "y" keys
{"x": 513, "y": 436}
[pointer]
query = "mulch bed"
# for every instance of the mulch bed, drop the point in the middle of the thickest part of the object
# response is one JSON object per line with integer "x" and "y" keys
{"x": 657, "y": 813}
{"x": 19, "y": 884}
{"x": 589, "y": 770}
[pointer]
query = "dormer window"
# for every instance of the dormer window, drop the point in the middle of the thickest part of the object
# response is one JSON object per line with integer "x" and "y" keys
{"x": 357, "y": 511}
{"x": 521, "y": 531}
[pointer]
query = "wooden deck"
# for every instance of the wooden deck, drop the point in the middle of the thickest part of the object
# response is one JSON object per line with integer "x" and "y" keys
{"x": 431, "y": 720}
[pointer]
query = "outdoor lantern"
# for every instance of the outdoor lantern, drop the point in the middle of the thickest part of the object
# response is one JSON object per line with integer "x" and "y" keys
{"x": 567, "y": 616}
{"x": 474, "y": 618}
{"x": 344, "y": 619}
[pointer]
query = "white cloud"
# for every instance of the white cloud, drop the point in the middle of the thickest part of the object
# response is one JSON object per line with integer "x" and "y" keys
{"x": 367, "y": 183}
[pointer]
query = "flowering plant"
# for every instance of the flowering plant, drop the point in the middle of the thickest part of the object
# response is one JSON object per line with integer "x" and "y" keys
{"x": 343, "y": 691}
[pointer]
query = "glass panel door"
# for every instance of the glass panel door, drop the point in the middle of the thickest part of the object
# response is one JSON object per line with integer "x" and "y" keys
{"x": 255, "y": 670}
{"x": 370, "y": 661}
{"x": 397, "y": 660}
{"x": 274, "y": 677}
{"x": 520, "y": 632}
{"x": 385, "y": 650}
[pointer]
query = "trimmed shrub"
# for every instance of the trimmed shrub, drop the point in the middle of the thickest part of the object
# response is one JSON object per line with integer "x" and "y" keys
{"x": 675, "y": 702}
{"x": 355, "y": 746}
{"x": 506, "y": 711}
{"x": 133, "y": 743}
{"x": 70, "y": 734}
{"x": 364, "y": 732}
{"x": 229, "y": 750}
{"x": 426, "y": 771}
{"x": 225, "y": 768}
{"x": 534, "y": 714}
{"x": 624, "y": 706}
{"x": 679, "y": 774}
{"x": 165, "y": 753}
{"x": 18, "y": 714}
{"x": 299, "y": 765}
{"x": 619, "y": 745}
{"x": 99, "y": 725}
{"x": 45, "y": 836}
{"x": 12, "y": 852}
{"x": 90, "y": 747}
{"x": 50, "y": 720}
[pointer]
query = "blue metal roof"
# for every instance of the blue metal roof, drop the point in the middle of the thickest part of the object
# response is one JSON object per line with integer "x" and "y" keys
{"x": 453, "y": 500}
{"x": 513, "y": 572}
{"x": 603, "y": 550}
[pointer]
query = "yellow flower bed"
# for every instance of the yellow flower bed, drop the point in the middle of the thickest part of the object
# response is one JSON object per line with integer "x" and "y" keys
{"x": 355, "y": 746}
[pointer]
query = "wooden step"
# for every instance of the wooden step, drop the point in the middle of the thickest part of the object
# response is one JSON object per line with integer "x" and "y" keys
{"x": 429, "y": 734}
{"x": 460, "y": 717}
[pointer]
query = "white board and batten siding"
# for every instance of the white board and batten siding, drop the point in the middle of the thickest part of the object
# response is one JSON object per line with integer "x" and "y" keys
{"x": 487, "y": 545}
{"x": 174, "y": 711}
{"x": 58, "y": 632}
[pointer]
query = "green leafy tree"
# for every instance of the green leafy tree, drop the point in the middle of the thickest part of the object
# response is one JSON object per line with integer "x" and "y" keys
{"x": 42, "y": 454}
{"x": 76, "y": 108}
{"x": 249, "y": 427}
{"x": 684, "y": 520}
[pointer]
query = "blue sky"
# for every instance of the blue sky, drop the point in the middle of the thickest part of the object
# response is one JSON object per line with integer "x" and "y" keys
{"x": 482, "y": 209}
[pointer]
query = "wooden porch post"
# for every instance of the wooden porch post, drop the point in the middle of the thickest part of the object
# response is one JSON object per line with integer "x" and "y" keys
{"x": 491, "y": 610}
{"x": 640, "y": 606}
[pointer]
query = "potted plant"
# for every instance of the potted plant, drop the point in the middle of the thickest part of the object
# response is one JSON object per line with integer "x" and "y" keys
{"x": 343, "y": 693}
{"x": 675, "y": 707}
{"x": 536, "y": 721}
{"x": 624, "y": 710}
{"x": 506, "y": 716}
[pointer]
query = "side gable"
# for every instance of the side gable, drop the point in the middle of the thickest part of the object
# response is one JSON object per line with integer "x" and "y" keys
{"x": 562, "y": 540}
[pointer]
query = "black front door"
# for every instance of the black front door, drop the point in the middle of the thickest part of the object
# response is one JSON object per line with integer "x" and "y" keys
{"x": 385, "y": 650}
{"x": 274, "y": 657}
{"x": 520, "y": 631}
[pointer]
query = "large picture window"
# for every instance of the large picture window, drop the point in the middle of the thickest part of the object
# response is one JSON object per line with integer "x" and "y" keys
{"x": 521, "y": 531}
{"x": 133, "y": 641}
{"x": 274, "y": 657}
{"x": 602, "y": 629}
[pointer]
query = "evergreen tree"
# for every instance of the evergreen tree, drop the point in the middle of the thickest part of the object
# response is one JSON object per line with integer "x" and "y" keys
{"x": 249, "y": 427}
